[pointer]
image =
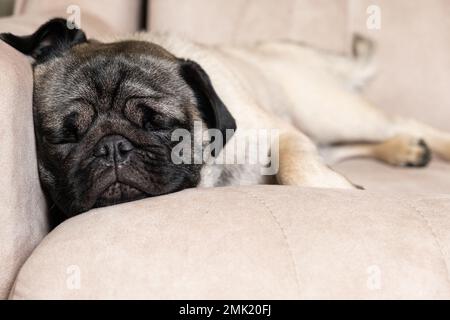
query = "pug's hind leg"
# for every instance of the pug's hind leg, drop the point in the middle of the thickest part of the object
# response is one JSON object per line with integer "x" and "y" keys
{"x": 401, "y": 150}
{"x": 300, "y": 164}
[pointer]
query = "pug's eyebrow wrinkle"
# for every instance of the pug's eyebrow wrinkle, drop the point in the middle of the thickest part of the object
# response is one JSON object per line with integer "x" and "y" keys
{"x": 83, "y": 100}
{"x": 97, "y": 86}
{"x": 118, "y": 87}
{"x": 145, "y": 72}
{"x": 148, "y": 90}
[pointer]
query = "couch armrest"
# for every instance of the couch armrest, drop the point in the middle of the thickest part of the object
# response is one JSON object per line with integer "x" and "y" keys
{"x": 23, "y": 219}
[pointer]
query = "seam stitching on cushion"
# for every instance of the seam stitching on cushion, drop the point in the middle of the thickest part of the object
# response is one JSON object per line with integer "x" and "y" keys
{"x": 435, "y": 237}
{"x": 294, "y": 263}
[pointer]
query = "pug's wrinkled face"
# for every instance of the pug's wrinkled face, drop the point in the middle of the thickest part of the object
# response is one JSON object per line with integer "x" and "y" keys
{"x": 104, "y": 115}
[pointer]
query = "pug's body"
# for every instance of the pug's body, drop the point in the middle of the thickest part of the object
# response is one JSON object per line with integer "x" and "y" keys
{"x": 105, "y": 110}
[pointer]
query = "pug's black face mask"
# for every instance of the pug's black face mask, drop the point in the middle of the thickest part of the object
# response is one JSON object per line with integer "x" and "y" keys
{"x": 104, "y": 114}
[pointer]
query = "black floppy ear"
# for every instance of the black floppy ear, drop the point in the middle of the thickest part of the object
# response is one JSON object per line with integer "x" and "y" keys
{"x": 213, "y": 110}
{"x": 51, "y": 38}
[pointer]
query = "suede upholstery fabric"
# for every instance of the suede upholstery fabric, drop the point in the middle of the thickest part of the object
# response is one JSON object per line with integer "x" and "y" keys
{"x": 117, "y": 16}
{"x": 390, "y": 241}
{"x": 377, "y": 176}
{"x": 249, "y": 21}
{"x": 261, "y": 242}
{"x": 23, "y": 220}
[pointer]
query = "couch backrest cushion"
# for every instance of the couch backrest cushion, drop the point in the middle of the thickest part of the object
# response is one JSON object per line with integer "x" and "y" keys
{"x": 413, "y": 47}
{"x": 319, "y": 22}
{"x": 413, "y": 57}
{"x": 121, "y": 16}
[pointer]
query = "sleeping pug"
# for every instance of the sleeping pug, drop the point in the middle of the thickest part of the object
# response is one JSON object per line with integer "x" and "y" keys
{"x": 105, "y": 112}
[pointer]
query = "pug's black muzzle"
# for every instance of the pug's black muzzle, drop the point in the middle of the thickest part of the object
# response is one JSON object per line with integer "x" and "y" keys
{"x": 114, "y": 151}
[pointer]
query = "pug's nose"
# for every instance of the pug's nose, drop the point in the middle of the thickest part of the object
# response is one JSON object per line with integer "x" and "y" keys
{"x": 114, "y": 149}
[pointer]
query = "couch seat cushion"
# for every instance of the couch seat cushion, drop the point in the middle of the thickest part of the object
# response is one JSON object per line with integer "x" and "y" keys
{"x": 374, "y": 175}
{"x": 262, "y": 242}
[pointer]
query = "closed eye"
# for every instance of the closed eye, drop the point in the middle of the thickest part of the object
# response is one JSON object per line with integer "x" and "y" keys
{"x": 153, "y": 120}
{"x": 60, "y": 139}
{"x": 73, "y": 128}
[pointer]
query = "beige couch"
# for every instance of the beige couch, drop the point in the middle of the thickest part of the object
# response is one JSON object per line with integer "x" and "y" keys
{"x": 267, "y": 242}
